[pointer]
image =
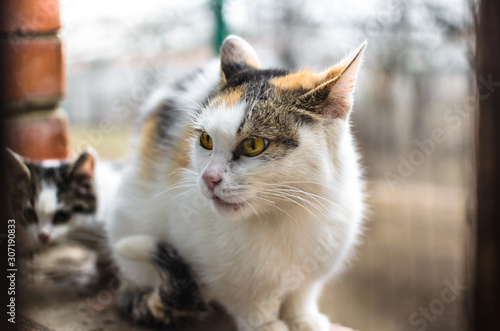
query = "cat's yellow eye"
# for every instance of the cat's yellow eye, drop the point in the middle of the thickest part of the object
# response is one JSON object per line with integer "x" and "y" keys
{"x": 206, "y": 141}
{"x": 253, "y": 146}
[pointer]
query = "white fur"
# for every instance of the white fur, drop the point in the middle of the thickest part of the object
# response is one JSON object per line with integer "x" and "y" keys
{"x": 46, "y": 205}
{"x": 269, "y": 255}
{"x": 46, "y": 202}
{"x": 107, "y": 180}
{"x": 136, "y": 248}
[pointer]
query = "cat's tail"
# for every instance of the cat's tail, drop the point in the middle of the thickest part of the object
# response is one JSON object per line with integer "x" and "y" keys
{"x": 176, "y": 302}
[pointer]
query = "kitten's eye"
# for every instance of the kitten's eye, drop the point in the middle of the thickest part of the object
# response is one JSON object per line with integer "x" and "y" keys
{"x": 253, "y": 146}
{"x": 61, "y": 216}
{"x": 78, "y": 209}
{"x": 30, "y": 215}
{"x": 206, "y": 141}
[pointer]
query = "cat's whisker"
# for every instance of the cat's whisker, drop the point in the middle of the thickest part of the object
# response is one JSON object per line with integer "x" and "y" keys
{"x": 250, "y": 205}
{"x": 292, "y": 194}
{"x": 272, "y": 204}
{"x": 187, "y": 174}
{"x": 308, "y": 194}
{"x": 188, "y": 171}
{"x": 256, "y": 212}
{"x": 320, "y": 208}
{"x": 192, "y": 114}
{"x": 329, "y": 187}
{"x": 199, "y": 106}
{"x": 299, "y": 192}
{"x": 294, "y": 189}
{"x": 170, "y": 188}
{"x": 189, "y": 193}
{"x": 288, "y": 197}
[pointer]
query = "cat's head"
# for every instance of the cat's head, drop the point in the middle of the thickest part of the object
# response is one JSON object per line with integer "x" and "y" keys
{"x": 48, "y": 197}
{"x": 268, "y": 138}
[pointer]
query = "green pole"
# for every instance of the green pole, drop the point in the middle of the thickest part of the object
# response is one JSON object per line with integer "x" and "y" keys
{"x": 221, "y": 30}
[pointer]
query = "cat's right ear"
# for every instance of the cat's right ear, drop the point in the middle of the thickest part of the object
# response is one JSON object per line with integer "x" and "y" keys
{"x": 333, "y": 98}
{"x": 83, "y": 169}
{"x": 236, "y": 55}
{"x": 16, "y": 168}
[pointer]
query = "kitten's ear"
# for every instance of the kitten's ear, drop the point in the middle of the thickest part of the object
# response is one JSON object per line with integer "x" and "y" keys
{"x": 16, "y": 168}
{"x": 235, "y": 55}
{"x": 333, "y": 97}
{"x": 83, "y": 169}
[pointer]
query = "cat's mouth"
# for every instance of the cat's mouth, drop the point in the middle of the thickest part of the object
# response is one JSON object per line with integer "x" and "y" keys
{"x": 227, "y": 206}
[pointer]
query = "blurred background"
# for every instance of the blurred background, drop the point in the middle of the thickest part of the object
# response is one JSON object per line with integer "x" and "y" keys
{"x": 413, "y": 119}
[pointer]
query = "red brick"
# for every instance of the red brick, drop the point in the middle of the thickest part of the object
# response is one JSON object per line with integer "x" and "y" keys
{"x": 30, "y": 16}
{"x": 42, "y": 135}
{"x": 34, "y": 69}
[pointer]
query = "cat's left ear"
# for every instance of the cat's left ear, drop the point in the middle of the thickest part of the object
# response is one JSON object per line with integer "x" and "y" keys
{"x": 236, "y": 55}
{"x": 333, "y": 97}
{"x": 17, "y": 169}
{"x": 83, "y": 170}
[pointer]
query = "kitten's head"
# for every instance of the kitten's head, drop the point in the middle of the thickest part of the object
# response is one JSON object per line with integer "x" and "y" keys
{"x": 268, "y": 138}
{"x": 48, "y": 197}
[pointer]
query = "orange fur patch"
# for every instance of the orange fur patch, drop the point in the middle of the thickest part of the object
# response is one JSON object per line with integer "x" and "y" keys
{"x": 232, "y": 98}
{"x": 147, "y": 146}
{"x": 150, "y": 154}
{"x": 304, "y": 79}
{"x": 162, "y": 312}
{"x": 180, "y": 156}
{"x": 156, "y": 307}
{"x": 333, "y": 72}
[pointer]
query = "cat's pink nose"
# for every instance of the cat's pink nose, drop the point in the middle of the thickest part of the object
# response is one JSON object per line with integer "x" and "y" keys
{"x": 211, "y": 181}
{"x": 44, "y": 238}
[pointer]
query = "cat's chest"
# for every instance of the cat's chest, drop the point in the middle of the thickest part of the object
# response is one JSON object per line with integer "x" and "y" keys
{"x": 274, "y": 254}
{"x": 287, "y": 246}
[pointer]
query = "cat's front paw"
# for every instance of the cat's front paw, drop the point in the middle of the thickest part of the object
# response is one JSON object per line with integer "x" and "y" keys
{"x": 274, "y": 326}
{"x": 316, "y": 322}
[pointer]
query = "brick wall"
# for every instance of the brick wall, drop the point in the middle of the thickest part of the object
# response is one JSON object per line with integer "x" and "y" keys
{"x": 33, "y": 71}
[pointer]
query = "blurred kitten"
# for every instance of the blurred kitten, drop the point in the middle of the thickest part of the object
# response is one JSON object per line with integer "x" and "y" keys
{"x": 61, "y": 201}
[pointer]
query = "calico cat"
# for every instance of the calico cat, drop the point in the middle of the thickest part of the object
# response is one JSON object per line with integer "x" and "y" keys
{"x": 56, "y": 201}
{"x": 251, "y": 177}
